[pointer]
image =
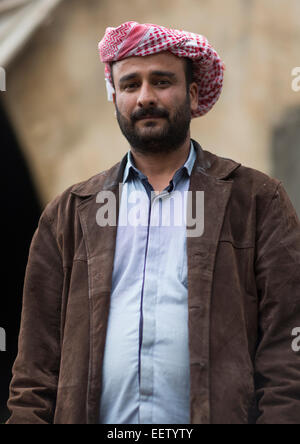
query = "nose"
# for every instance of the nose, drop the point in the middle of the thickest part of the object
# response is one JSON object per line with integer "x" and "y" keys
{"x": 147, "y": 97}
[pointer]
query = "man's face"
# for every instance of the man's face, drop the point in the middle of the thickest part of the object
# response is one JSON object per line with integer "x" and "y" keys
{"x": 153, "y": 103}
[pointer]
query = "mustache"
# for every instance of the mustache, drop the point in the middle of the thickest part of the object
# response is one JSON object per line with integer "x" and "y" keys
{"x": 148, "y": 112}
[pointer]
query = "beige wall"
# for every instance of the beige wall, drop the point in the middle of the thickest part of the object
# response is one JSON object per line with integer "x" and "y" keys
{"x": 57, "y": 100}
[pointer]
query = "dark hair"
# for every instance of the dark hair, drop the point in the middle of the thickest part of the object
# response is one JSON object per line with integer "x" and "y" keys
{"x": 112, "y": 73}
{"x": 189, "y": 75}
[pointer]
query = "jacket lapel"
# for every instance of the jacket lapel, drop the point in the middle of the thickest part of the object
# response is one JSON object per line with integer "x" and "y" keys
{"x": 100, "y": 245}
{"x": 201, "y": 252}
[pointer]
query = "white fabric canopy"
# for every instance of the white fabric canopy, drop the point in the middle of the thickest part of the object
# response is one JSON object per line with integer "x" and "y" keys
{"x": 18, "y": 20}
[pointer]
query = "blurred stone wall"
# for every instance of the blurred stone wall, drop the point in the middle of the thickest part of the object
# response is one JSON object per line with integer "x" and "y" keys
{"x": 56, "y": 95}
{"x": 286, "y": 153}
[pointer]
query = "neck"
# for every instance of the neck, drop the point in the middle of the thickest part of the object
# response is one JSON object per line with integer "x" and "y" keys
{"x": 162, "y": 164}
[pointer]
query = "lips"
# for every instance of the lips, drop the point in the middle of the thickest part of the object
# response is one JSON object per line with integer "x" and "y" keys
{"x": 155, "y": 114}
{"x": 150, "y": 117}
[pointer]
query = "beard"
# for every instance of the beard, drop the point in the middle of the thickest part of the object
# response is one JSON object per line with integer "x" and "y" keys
{"x": 153, "y": 141}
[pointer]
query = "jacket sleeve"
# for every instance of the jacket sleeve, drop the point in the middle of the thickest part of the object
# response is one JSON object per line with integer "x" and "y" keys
{"x": 35, "y": 372}
{"x": 277, "y": 267}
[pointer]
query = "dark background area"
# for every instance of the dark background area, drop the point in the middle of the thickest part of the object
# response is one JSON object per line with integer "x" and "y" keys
{"x": 20, "y": 212}
{"x": 286, "y": 153}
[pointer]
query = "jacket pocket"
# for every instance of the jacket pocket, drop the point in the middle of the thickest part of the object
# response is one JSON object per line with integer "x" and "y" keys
{"x": 242, "y": 259}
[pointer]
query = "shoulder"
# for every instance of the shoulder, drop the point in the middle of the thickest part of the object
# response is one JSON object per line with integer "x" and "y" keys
{"x": 255, "y": 181}
{"x": 247, "y": 182}
{"x": 66, "y": 203}
{"x": 253, "y": 192}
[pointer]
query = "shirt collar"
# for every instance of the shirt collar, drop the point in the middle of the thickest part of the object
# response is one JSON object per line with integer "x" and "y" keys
{"x": 131, "y": 168}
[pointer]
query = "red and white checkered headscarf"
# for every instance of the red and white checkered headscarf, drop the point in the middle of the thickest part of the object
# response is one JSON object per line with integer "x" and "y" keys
{"x": 133, "y": 39}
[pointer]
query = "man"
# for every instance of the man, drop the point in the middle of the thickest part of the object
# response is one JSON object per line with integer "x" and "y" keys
{"x": 134, "y": 313}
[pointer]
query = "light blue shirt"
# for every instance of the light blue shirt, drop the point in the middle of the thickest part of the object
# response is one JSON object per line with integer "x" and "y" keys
{"x": 146, "y": 366}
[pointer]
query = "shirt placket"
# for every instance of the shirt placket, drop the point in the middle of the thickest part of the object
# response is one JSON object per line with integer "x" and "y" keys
{"x": 148, "y": 310}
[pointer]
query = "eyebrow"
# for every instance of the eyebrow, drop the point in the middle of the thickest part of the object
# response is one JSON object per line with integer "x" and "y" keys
{"x": 164, "y": 74}
{"x": 128, "y": 77}
{"x": 153, "y": 73}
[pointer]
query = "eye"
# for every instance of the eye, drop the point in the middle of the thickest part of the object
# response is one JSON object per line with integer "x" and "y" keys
{"x": 131, "y": 86}
{"x": 163, "y": 83}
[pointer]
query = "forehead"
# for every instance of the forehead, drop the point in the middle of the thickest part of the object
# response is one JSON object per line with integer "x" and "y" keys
{"x": 156, "y": 62}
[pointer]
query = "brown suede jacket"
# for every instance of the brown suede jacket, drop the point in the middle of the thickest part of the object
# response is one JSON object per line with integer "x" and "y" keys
{"x": 244, "y": 302}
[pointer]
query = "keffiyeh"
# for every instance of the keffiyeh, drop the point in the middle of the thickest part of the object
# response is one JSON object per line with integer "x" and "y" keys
{"x": 133, "y": 39}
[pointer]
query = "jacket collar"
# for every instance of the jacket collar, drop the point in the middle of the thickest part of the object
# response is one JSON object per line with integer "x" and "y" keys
{"x": 207, "y": 163}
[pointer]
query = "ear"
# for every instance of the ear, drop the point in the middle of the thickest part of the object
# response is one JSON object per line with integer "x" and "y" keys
{"x": 194, "y": 96}
{"x": 115, "y": 101}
